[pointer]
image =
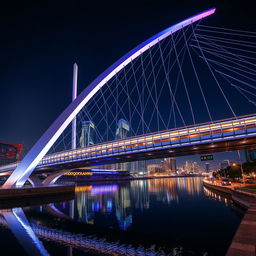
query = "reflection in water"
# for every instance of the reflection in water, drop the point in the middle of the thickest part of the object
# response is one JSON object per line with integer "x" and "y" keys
{"x": 104, "y": 199}
{"x": 16, "y": 220}
{"x": 91, "y": 243}
{"x": 147, "y": 217}
{"x": 221, "y": 197}
{"x": 224, "y": 198}
{"x": 117, "y": 197}
{"x": 28, "y": 235}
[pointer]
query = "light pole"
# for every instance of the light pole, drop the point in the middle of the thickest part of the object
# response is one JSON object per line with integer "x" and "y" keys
{"x": 74, "y": 95}
{"x": 240, "y": 161}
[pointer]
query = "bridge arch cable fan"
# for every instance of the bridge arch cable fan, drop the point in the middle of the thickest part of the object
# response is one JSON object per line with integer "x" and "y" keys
{"x": 158, "y": 72}
{"x": 165, "y": 83}
{"x": 231, "y": 55}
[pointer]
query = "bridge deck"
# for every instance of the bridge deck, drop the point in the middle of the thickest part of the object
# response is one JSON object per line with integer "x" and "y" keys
{"x": 197, "y": 138}
{"x": 234, "y": 129}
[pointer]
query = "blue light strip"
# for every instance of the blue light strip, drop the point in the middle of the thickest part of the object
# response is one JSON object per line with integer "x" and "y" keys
{"x": 194, "y": 135}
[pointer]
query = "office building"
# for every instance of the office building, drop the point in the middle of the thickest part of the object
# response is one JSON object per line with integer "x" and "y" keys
{"x": 122, "y": 131}
{"x": 87, "y": 134}
{"x": 170, "y": 164}
{"x": 207, "y": 167}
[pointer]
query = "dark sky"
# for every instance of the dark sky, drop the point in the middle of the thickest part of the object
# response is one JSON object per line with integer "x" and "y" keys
{"x": 40, "y": 41}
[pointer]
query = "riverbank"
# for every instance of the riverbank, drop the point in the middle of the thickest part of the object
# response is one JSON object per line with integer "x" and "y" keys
{"x": 244, "y": 241}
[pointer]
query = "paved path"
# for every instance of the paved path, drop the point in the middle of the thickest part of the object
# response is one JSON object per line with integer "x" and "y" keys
{"x": 244, "y": 241}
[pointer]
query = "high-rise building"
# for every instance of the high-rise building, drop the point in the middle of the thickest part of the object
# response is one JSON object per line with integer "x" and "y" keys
{"x": 190, "y": 166}
{"x": 170, "y": 164}
{"x": 195, "y": 167}
{"x": 224, "y": 164}
{"x": 187, "y": 166}
{"x": 138, "y": 166}
{"x": 123, "y": 208}
{"x": 134, "y": 166}
{"x": 207, "y": 167}
{"x": 122, "y": 130}
{"x": 154, "y": 168}
{"x": 87, "y": 134}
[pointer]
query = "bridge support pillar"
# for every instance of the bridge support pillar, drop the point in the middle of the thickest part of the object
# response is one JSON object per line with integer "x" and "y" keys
{"x": 52, "y": 178}
{"x": 35, "y": 181}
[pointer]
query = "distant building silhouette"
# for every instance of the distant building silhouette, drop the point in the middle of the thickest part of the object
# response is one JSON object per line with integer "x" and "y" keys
{"x": 122, "y": 131}
{"x": 138, "y": 166}
{"x": 190, "y": 166}
{"x": 87, "y": 134}
{"x": 170, "y": 164}
{"x": 207, "y": 167}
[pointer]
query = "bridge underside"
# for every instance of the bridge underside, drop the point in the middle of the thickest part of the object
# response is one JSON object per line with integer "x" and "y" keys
{"x": 205, "y": 148}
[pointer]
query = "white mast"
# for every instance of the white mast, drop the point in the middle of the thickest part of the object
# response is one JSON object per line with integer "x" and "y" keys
{"x": 74, "y": 94}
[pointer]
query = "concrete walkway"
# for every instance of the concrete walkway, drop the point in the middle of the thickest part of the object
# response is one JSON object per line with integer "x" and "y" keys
{"x": 244, "y": 241}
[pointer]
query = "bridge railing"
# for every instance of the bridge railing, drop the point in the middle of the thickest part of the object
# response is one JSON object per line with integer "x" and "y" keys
{"x": 240, "y": 127}
{"x": 8, "y": 167}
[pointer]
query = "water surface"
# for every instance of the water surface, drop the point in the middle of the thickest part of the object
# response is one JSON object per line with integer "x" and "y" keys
{"x": 171, "y": 216}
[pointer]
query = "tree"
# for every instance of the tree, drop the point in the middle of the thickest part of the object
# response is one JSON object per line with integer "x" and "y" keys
{"x": 249, "y": 167}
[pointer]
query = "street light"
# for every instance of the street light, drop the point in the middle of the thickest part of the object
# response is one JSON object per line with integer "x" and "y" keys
{"x": 242, "y": 170}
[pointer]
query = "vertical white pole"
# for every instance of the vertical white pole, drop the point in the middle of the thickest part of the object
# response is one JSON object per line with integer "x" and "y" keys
{"x": 74, "y": 94}
{"x": 241, "y": 164}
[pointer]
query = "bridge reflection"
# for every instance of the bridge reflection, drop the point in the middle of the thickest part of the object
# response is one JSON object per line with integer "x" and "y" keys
{"x": 84, "y": 223}
{"x": 16, "y": 220}
{"x": 119, "y": 199}
{"x": 28, "y": 235}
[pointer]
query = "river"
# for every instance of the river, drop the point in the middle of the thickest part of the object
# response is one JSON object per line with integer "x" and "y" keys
{"x": 165, "y": 216}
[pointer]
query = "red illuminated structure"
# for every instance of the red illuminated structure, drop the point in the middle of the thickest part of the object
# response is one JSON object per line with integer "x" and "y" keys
{"x": 9, "y": 152}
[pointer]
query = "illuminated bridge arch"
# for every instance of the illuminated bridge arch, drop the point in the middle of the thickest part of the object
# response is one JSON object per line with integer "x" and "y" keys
{"x": 39, "y": 150}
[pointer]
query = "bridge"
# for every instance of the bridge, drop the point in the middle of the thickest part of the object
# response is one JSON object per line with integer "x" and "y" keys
{"x": 212, "y": 137}
{"x": 226, "y": 135}
{"x": 133, "y": 87}
{"x": 219, "y": 136}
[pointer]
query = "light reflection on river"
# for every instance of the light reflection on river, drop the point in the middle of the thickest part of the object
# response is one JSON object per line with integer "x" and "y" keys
{"x": 123, "y": 197}
{"x": 174, "y": 216}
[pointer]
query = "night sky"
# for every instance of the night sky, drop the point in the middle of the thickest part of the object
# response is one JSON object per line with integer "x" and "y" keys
{"x": 41, "y": 40}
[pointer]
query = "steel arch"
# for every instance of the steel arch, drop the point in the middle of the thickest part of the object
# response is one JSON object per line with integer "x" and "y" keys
{"x": 38, "y": 151}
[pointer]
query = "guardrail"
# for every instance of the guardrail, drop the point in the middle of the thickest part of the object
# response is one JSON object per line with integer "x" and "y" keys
{"x": 228, "y": 130}
{"x": 242, "y": 127}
